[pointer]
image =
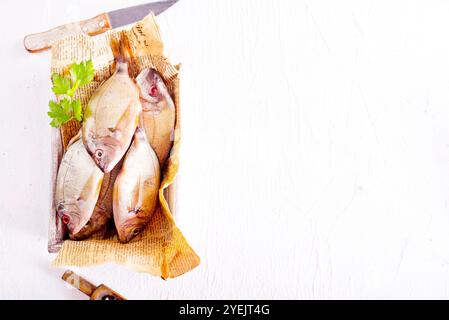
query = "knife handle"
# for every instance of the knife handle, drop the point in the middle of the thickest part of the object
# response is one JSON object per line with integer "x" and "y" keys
{"x": 105, "y": 293}
{"x": 78, "y": 282}
{"x": 101, "y": 292}
{"x": 44, "y": 40}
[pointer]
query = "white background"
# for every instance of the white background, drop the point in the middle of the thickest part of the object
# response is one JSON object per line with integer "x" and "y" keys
{"x": 315, "y": 157}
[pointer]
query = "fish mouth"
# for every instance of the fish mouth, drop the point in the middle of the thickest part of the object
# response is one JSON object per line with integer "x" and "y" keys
{"x": 123, "y": 238}
{"x": 101, "y": 165}
{"x": 83, "y": 233}
{"x": 107, "y": 167}
{"x": 128, "y": 232}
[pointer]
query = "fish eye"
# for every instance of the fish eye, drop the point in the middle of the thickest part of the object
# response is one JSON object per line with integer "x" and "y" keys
{"x": 99, "y": 153}
{"x": 153, "y": 91}
{"x": 65, "y": 219}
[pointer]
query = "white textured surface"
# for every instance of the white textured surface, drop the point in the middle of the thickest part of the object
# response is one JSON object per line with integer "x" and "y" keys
{"x": 315, "y": 159}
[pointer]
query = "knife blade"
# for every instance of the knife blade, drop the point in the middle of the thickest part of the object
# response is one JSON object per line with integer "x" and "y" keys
{"x": 106, "y": 21}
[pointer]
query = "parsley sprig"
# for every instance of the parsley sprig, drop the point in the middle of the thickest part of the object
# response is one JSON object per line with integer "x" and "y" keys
{"x": 69, "y": 108}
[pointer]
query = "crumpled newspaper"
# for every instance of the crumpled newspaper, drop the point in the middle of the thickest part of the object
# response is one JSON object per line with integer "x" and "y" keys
{"x": 161, "y": 250}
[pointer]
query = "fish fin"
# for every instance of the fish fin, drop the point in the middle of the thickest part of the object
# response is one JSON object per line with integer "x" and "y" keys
{"x": 136, "y": 196}
{"x": 74, "y": 139}
{"x": 141, "y": 123}
{"x": 88, "y": 187}
{"x": 121, "y": 49}
{"x": 106, "y": 186}
{"x": 123, "y": 122}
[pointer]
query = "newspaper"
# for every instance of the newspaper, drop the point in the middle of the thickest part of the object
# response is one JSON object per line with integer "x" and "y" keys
{"x": 161, "y": 250}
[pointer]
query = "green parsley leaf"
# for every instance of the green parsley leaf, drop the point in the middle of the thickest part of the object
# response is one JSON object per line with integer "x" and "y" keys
{"x": 55, "y": 124}
{"x": 67, "y": 109}
{"x": 66, "y": 106}
{"x": 77, "y": 110}
{"x": 60, "y": 84}
{"x": 58, "y": 112}
{"x": 82, "y": 73}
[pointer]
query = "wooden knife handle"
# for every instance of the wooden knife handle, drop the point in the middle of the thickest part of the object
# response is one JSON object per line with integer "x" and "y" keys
{"x": 95, "y": 293}
{"x": 44, "y": 40}
{"x": 105, "y": 293}
{"x": 78, "y": 282}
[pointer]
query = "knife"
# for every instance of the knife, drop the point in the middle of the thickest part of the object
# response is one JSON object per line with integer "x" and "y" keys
{"x": 99, "y": 24}
{"x": 95, "y": 293}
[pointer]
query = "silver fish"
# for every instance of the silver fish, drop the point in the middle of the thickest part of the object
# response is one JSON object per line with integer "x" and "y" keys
{"x": 136, "y": 189}
{"x": 102, "y": 213}
{"x": 77, "y": 187}
{"x": 159, "y": 113}
{"x": 111, "y": 118}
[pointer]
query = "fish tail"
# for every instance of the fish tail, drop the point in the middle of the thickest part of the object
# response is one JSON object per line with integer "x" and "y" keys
{"x": 122, "y": 52}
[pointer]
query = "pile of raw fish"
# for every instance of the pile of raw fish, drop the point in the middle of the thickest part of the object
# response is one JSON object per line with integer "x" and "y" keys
{"x": 111, "y": 171}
